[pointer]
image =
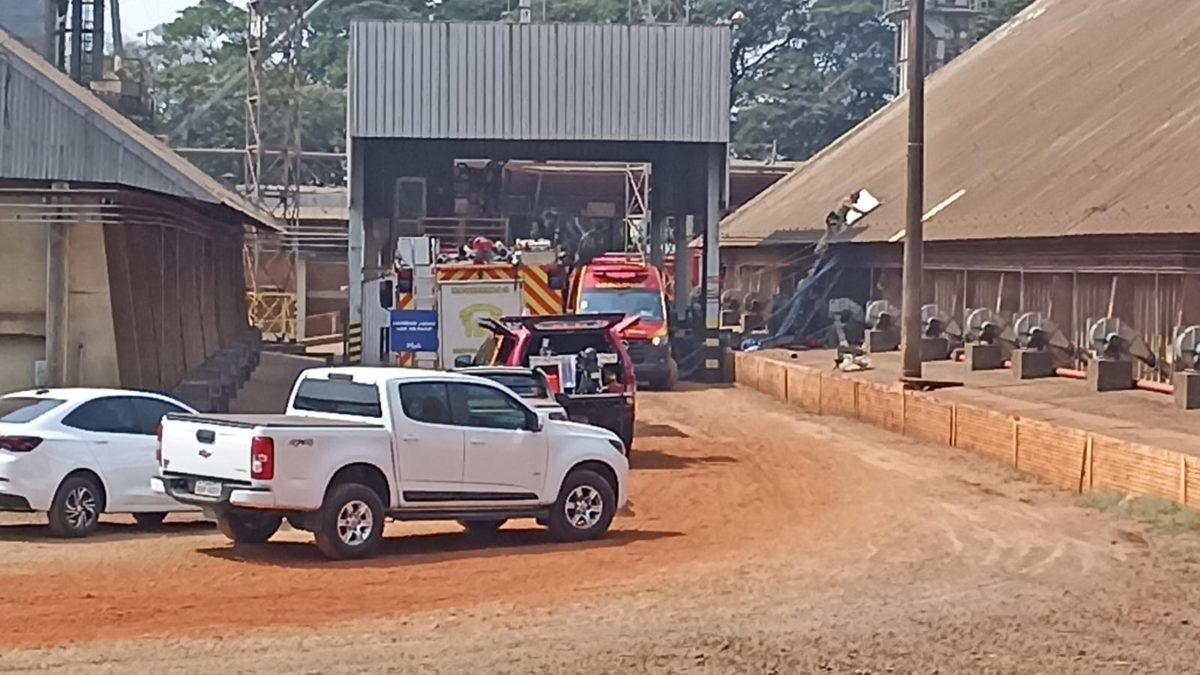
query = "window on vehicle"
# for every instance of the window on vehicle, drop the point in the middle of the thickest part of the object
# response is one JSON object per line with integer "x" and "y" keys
{"x": 20, "y": 409}
{"x": 340, "y": 397}
{"x": 483, "y": 356}
{"x": 112, "y": 415}
{"x": 490, "y": 408}
{"x": 525, "y": 385}
{"x": 150, "y": 412}
{"x": 427, "y": 402}
{"x": 648, "y": 304}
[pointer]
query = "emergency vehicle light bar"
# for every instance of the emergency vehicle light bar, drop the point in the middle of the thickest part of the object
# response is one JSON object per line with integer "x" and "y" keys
{"x": 626, "y": 274}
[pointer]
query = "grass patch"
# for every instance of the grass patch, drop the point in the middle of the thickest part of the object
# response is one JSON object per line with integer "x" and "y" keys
{"x": 1102, "y": 501}
{"x": 1159, "y": 513}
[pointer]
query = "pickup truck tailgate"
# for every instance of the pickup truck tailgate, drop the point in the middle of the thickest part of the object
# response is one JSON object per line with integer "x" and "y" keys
{"x": 206, "y": 447}
{"x": 219, "y": 446}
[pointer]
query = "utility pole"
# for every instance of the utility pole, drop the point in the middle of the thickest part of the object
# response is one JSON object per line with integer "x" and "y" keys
{"x": 914, "y": 235}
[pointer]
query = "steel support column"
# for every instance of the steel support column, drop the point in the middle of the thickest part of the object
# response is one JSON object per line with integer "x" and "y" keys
{"x": 356, "y": 177}
{"x": 683, "y": 267}
{"x": 57, "y": 300}
{"x": 713, "y": 179}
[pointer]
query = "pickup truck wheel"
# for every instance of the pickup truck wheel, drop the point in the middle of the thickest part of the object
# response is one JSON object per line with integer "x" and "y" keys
{"x": 75, "y": 511}
{"x": 350, "y": 523}
{"x": 149, "y": 521}
{"x": 585, "y": 507}
{"x": 246, "y": 527}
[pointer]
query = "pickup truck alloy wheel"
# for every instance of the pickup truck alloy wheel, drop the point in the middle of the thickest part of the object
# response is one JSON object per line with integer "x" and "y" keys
{"x": 76, "y": 509}
{"x": 584, "y": 507}
{"x": 350, "y": 522}
{"x": 355, "y": 523}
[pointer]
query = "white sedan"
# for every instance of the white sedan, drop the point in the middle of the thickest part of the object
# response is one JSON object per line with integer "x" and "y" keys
{"x": 77, "y": 453}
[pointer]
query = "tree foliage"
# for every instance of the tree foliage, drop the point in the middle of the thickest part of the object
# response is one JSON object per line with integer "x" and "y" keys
{"x": 803, "y": 71}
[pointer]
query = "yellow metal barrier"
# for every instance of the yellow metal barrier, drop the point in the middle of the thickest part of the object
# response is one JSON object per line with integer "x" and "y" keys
{"x": 274, "y": 313}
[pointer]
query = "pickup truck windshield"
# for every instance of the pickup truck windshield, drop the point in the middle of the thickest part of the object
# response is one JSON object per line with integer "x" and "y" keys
{"x": 339, "y": 397}
{"x": 645, "y": 303}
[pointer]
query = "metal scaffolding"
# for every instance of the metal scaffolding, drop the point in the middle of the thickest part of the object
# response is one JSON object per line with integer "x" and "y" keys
{"x": 278, "y": 71}
{"x": 637, "y": 206}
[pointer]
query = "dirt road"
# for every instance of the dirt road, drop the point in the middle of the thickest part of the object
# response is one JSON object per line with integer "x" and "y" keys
{"x": 759, "y": 540}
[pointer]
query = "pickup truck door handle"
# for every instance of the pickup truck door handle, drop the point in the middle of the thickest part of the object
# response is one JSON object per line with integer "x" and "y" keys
{"x": 409, "y": 439}
{"x": 476, "y": 441}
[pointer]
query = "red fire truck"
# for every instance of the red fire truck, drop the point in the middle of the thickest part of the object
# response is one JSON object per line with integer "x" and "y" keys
{"x": 626, "y": 284}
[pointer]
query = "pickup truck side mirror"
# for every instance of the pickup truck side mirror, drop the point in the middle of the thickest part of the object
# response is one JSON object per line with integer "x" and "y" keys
{"x": 562, "y": 399}
{"x": 463, "y": 361}
{"x": 534, "y": 423}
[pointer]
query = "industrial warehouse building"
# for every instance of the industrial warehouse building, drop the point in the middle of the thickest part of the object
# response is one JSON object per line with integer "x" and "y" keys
{"x": 122, "y": 262}
{"x": 426, "y": 97}
{"x": 1061, "y": 177}
{"x": 305, "y": 296}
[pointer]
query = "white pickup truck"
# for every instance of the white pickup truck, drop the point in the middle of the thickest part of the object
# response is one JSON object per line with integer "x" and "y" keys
{"x": 360, "y": 444}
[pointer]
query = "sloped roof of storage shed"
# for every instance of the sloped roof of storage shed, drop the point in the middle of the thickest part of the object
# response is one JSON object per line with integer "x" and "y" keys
{"x": 53, "y": 129}
{"x": 1075, "y": 118}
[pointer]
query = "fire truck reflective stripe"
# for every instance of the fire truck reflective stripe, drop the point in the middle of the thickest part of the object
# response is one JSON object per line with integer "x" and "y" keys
{"x": 406, "y": 301}
{"x": 540, "y": 299}
{"x": 472, "y": 272}
{"x": 405, "y": 360}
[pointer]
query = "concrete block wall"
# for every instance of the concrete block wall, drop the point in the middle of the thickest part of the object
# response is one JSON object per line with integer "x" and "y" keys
{"x": 1073, "y": 459}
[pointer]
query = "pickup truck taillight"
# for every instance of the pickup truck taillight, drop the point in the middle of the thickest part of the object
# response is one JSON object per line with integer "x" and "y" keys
{"x": 158, "y": 450}
{"x": 262, "y": 458}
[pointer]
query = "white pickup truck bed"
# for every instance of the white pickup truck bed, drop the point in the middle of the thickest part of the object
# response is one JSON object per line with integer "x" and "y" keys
{"x": 222, "y": 448}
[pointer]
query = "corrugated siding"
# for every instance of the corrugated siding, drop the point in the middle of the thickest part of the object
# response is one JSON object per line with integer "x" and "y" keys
{"x": 1077, "y": 118}
{"x": 44, "y": 137}
{"x": 51, "y": 129}
{"x": 578, "y": 82}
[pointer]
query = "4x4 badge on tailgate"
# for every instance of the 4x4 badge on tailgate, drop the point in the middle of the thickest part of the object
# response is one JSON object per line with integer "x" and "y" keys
{"x": 298, "y": 442}
{"x": 205, "y": 454}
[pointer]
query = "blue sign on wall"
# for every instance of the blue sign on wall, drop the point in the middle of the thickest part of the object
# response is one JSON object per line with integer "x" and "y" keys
{"x": 414, "y": 330}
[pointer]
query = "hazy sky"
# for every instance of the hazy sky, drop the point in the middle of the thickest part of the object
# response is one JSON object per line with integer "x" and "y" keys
{"x": 140, "y": 15}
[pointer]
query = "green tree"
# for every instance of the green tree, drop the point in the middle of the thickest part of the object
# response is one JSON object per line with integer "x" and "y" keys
{"x": 803, "y": 71}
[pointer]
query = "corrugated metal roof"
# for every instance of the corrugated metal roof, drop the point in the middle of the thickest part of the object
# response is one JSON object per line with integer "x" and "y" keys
{"x": 568, "y": 82}
{"x": 53, "y": 129}
{"x": 1076, "y": 118}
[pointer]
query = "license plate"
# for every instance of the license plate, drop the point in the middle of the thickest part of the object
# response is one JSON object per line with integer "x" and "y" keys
{"x": 207, "y": 488}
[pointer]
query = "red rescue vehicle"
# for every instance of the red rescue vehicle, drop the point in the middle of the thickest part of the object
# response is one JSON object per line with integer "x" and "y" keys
{"x": 626, "y": 284}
